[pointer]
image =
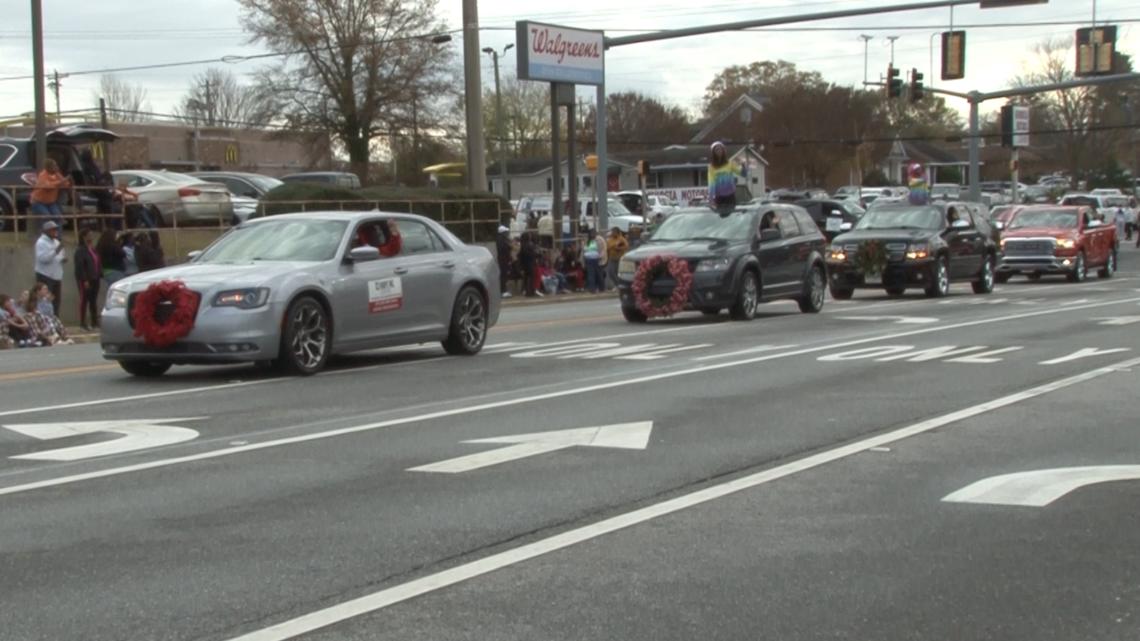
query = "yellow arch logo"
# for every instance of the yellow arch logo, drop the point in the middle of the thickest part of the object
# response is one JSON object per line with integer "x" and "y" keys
{"x": 98, "y": 151}
{"x": 231, "y": 155}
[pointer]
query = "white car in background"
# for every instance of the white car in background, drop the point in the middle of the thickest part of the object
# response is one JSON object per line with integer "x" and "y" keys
{"x": 179, "y": 199}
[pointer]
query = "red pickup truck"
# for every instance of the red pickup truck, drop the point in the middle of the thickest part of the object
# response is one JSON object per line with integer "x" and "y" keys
{"x": 1048, "y": 239}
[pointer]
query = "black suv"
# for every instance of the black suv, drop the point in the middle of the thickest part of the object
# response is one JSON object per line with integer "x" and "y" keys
{"x": 900, "y": 246}
{"x": 833, "y": 217}
{"x": 18, "y": 162}
{"x": 737, "y": 260}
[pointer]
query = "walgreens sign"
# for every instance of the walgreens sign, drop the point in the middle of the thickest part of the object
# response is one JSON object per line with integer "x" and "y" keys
{"x": 559, "y": 54}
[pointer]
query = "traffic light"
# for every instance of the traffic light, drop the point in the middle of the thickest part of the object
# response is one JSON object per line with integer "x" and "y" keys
{"x": 915, "y": 85}
{"x": 894, "y": 83}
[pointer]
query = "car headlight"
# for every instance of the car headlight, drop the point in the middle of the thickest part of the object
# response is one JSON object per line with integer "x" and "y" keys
{"x": 1066, "y": 243}
{"x": 838, "y": 254}
{"x": 627, "y": 267}
{"x": 713, "y": 265}
{"x": 917, "y": 252}
{"x": 116, "y": 298}
{"x": 244, "y": 298}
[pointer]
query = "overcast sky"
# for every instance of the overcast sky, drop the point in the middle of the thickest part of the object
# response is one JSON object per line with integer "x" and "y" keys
{"x": 83, "y": 35}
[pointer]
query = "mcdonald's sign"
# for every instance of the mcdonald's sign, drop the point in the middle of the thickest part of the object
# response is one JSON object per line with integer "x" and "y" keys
{"x": 231, "y": 155}
{"x": 99, "y": 151}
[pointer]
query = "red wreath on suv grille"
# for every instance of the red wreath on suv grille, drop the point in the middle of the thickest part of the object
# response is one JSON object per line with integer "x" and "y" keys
{"x": 176, "y": 325}
{"x": 650, "y": 270}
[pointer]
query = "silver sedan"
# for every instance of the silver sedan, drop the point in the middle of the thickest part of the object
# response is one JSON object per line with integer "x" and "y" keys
{"x": 291, "y": 290}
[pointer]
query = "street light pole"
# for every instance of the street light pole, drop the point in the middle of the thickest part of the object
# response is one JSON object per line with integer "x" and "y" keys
{"x": 866, "y": 40}
{"x": 499, "y": 122}
{"x": 473, "y": 89}
{"x": 38, "y": 72}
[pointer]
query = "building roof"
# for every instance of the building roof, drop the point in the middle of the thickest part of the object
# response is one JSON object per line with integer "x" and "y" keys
{"x": 684, "y": 156}
{"x": 756, "y": 103}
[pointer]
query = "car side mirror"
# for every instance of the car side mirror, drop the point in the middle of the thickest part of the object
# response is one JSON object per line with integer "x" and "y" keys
{"x": 1094, "y": 223}
{"x": 998, "y": 224}
{"x": 846, "y": 227}
{"x": 363, "y": 254}
{"x": 960, "y": 224}
{"x": 194, "y": 254}
{"x": 767, "y": 235}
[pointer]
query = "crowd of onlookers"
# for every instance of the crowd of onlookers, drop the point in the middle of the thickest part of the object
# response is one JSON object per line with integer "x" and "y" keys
{"x": 534, "y": 268}
{"x": 32, "y": 318}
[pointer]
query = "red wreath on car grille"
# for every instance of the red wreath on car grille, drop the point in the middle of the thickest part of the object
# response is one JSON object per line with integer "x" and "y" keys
{"x": 650, "y": 270}
{"x": 176, "y": 325}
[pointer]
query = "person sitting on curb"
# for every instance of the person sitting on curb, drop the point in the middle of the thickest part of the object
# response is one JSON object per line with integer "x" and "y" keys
{"x": 41, "y": 325}
{"x": 50, "y": 323}
{"x": 18, "y": 328}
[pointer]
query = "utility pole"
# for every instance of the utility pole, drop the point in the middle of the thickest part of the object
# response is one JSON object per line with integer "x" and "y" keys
{"x": 892, "y": 39}
{"x": 38, "y": 72}
{"x": 209, "y": 105}
{"x": 866, "y": 41}
{"x": 107, "y": 145}
{"x": 473, "y": 91}
{"x": 499, "y": 122}
{"x": 54, "y": 86}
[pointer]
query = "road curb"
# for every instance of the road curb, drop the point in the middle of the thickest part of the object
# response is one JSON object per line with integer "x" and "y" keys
{"x": 553, "y": 299}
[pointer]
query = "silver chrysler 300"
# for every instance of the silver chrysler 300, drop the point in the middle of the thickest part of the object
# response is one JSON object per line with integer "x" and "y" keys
{"x": 291, "y": 290}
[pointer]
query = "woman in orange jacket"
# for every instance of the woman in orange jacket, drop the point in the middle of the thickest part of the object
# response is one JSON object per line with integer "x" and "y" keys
{"x": 45, "y": 194}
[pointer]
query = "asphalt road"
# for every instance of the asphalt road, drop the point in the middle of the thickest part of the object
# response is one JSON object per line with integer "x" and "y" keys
{"x": 797, "y": 477}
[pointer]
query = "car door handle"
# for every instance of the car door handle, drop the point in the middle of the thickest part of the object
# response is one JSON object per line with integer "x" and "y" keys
{"x": 448, "y": 264}
{"x": 401, "y": 270}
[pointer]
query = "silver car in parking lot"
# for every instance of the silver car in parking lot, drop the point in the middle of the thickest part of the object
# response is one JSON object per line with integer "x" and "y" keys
{"x": 293, "y": 289}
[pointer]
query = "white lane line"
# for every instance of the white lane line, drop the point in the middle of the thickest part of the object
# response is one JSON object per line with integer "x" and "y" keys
{"x": 433, "y": 582}
{"x": 136, "y": 397}
{"x": 482, "y": 407}
{"x": 751, "y": 350}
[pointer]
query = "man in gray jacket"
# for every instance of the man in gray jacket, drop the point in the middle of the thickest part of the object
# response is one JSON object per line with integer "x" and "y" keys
{"x": 49, "y": 262}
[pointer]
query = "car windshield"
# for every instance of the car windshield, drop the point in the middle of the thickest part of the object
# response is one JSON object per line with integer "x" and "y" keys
{"x": 265, "y": 183}
{"x": 1057, "y": 218}
{"x": 706, "y": 225}
{"x": 901, "y": 218}
{"x": 278, "y": 240}
{"x": 615, "y": 208}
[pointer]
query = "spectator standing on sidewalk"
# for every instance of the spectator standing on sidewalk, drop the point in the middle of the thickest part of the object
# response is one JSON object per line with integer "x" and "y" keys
{"x": 49, "y": 261}
{"x": 88, "y": 272}
{"x": 111, "y": 257}
{"x": 528, "y": 261}
{"x": 592, "y": 254}
{"x": 503, "y": 254}
{"x": 616, "y": 247}
{"x": 46, "y": 193}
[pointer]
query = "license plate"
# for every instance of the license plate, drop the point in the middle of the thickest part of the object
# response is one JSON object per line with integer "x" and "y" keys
{"x": 873, "y": 279}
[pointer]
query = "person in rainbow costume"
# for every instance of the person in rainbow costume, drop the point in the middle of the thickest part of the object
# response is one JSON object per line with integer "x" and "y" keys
{"x": 722, "y": 178}
{"x": 916, "y": 182}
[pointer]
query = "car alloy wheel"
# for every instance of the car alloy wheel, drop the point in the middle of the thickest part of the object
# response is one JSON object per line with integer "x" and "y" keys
{"x": 940, "y": 285}
{"x": 468, "y": 324}
{"x": 1080, "y": 270}
{"x": 748, "y": 298}
{"x": 985, "y": 283}
{"x": 812, "y": 302}
{"x": 1109, "y": 266}
{"x": 305, "y": 344}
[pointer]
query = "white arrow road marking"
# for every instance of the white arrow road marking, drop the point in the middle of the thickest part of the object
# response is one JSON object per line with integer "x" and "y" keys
{"x": 901, "y": 320}
{"x": 138, "y": 434}
{"x": 1039, "y": 488}
{"x": 627, "y": 436}
{"x": 1118, "y": 320}
{"x": 1085, "y": 352}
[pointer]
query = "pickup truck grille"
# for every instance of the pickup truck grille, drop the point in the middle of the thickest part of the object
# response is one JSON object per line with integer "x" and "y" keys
{"x": 1015, "y": 247}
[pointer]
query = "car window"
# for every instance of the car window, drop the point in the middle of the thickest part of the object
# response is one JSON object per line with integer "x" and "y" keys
{"x": 418, "y": 239}
{"x": 7, "y": 153}
{"x": 237, "y": 186}
{"x": 787, "y": 223}
{"x": 706, "y": 225}
{"x": 133, "y": 180}
{"x": 807, "y": 225}
{"x": 278, "y": 239}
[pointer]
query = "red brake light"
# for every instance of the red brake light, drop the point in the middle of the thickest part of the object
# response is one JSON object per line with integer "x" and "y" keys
{"x": 183, "y": 192}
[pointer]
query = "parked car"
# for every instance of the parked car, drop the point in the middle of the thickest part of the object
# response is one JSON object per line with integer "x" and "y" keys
{"x": 246, "y": 189}
{"x": 18, "y": 163}
{"x": 658, "y": 204}
{"x": 927, "y": 246}
{"x": 833, "y": 217}
{"x": 1049, "y": 239}
{"x": 178, "y": 198}
{"x": 945, "y": 191}
{"x": 335, "y": 178}
{"x": 739, "y": 260}
{"x": 293, "y": 290}
{"x": 793, "y": 195}
{"x": 847, "y": 191}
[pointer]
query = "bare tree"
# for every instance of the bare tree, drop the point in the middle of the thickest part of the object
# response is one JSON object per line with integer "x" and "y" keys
{"x": 352, "y": 68}
{"x": 1072, "y": 111}
{"x": 637, "y": 121}
{"x": 216, "y": 98}
{"x": 526, "y": 119}
{"x": 125, "y": 101}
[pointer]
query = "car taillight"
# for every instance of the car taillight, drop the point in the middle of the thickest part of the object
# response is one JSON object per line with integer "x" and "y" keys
{"x": 184, "y": 192}
{"x": 29, "y": 178}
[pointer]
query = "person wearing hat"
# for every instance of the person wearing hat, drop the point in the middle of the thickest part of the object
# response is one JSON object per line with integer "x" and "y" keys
{"x": 503, "y": 254}
{"x": 722, "y": 178}
{"x": 49, "y": 261}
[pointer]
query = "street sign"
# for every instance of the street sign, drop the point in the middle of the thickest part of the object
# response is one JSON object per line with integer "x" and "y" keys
{"x": 552, "y": 53}
{"x": 953, "y": 55}
{"x": 1096, "y": 47}
{"x": 1039, "y": 488}
{"x": 628, "y": 436}
{"x": 1014, "y": 126}
{"x": 138, "y": 434}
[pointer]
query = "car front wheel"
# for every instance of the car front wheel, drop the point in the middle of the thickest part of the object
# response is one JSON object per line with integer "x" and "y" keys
{"x": 1109, "y": 266}
{"x": 145, "y": 369}
{"x": 1080, "y": 270}
{"x": 939, "y": 279}
{"x": 305, "y": 341}
{"x": 842, "y": 293}
{"x": 985, "y": 282}
{"x": 633, "y": 314}
{"x": 468, "y": 324}
{"x": 812, "y": 300}
{"x": 747, "y": 298}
